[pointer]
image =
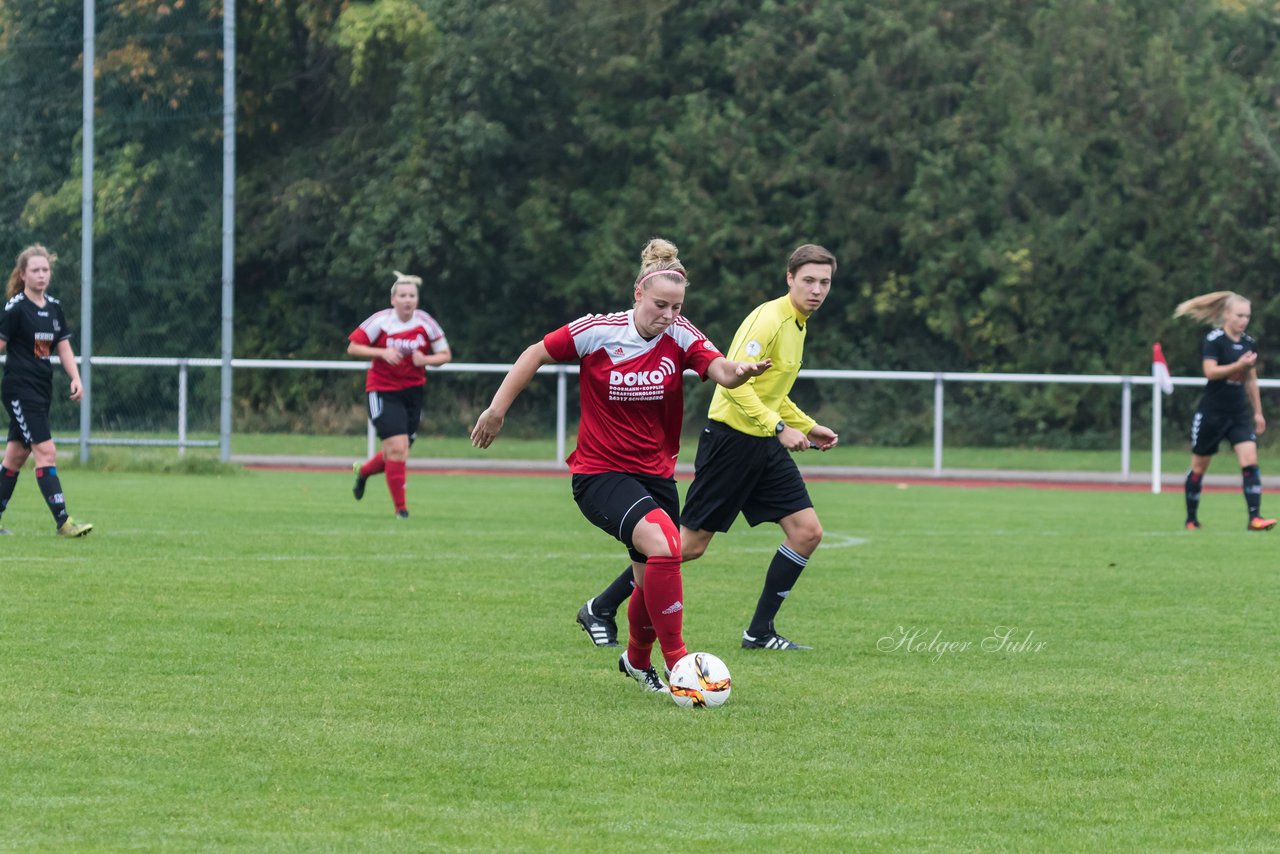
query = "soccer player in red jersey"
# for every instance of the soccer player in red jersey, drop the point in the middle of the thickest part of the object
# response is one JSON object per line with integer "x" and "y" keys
{"x": 402, "y": 341}
{"x": 631, "y": 392}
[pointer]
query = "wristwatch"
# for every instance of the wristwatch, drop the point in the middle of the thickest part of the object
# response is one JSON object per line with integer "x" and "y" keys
{"x": 782, "y": 425}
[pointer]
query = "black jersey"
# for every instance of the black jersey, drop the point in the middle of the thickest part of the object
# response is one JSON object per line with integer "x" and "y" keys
{"x": 31, "y": 333}
{"x": 1225, "y": 396}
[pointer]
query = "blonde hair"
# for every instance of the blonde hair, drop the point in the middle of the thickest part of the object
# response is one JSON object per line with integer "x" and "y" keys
{"x": 660, "y": 256}
{"x": 35, "y": 250}
{"x": 403, "y": 279}
{"x": 1207, "y": 308}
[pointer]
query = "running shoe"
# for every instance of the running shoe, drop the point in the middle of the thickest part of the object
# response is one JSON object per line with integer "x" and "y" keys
{"x": 648, "y": 678}
{"x": 770, "y": 641}
{"x": 358, "y": 489}
{"x": 603, "y": 631}
{"x": 72, "y": 528}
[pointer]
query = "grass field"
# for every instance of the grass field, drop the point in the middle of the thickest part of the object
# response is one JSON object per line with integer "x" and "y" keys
{"x": 255, "y": 662}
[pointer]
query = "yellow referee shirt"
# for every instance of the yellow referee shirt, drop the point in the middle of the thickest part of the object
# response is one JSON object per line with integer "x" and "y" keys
{"x": 775, "y": 330}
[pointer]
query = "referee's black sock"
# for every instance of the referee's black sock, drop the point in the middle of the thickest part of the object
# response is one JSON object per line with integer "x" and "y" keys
{"x": 47, "y": 477}
{"x": 1193, "y": 495}
{"x": 1252, "y": 490}
{"x": 608, "y": 602}
{"x": 784, "y": 569}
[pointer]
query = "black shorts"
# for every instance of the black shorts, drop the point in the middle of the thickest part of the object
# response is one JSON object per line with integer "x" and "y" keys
{"x": 736, "y": 473}
{"x": 28, "y": 420}
{"x": 1208, "y": 429}
{"x": 396, "y": 413}
{"x": 615, "y": 502}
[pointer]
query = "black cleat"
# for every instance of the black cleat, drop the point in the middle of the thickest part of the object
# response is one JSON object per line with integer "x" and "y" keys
{"x": 402, "y": 514}
{"x": 358, "y": 489}
{"x": 770, "y": 641}
{"x": 603, "y": 631}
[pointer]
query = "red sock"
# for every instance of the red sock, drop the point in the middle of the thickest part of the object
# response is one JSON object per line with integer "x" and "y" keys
{"x": 374, "y": 465}
{"x": 664, "y": 590}
{"x": 640, "y": 634}
{"x": 395, "y": 482}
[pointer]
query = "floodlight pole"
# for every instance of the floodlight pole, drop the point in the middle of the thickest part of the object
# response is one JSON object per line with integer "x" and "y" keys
{"x": 86, "y": 234}
{"x": 228, "y": 218}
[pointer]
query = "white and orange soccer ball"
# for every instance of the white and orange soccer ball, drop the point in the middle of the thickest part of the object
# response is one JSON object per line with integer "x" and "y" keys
{"x": 699, "y": 681}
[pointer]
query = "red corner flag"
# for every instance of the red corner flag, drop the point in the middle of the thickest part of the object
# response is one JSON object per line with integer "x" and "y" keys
{"x": 1160, "y": 370}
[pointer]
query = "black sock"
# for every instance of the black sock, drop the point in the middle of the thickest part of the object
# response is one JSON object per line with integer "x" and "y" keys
{"x": 1252, "y": 490}
{"x": 608, "y": 602}
{"x": 8, "y": 480}
{"x": 52, "y": 488}
{"x": 1193, "y": 495}
{"x": 784, "y": 569}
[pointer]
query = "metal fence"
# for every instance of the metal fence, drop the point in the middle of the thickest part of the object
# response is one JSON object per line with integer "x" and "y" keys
{"x": 939, "y": 379}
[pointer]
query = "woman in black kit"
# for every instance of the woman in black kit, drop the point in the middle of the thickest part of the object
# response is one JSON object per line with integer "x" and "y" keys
{"x": 32, "y": 327}
{"x": 1230, "y": 407}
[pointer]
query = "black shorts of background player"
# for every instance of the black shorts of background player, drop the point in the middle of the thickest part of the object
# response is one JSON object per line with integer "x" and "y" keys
{"x": 1231, "y": 407}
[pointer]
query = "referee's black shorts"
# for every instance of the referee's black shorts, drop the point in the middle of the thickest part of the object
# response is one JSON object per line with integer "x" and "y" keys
{"x": 615, "y": 502}
{"x": 736, "y": 473}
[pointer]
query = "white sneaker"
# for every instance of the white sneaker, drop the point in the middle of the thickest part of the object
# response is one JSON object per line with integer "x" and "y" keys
{"x": 647, "y": 678}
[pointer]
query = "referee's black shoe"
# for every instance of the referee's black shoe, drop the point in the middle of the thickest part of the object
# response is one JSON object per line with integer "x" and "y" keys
{"x": 773, "y": 640}
{"x": 603, "y": 631}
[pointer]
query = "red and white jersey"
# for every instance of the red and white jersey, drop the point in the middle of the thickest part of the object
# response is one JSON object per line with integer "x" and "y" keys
{"x": 631, "y": 390}
{"x": 385, "y": 329}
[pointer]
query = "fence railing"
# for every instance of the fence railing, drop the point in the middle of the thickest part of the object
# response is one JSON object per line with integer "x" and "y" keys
{"x": 939, "y": 379}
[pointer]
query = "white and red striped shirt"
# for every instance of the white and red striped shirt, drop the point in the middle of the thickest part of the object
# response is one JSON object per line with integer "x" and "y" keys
{"x": 631, "y": 390}
{"x": 385, "y": 329}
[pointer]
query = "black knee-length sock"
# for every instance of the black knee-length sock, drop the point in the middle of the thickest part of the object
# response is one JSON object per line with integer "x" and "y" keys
{"x": 1252, "y": 478}
{"x": 47, "y": 477}
{"x": 784, "y": 570}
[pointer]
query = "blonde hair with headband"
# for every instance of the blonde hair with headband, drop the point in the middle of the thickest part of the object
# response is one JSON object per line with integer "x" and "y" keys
{"x": 660, "y": 257}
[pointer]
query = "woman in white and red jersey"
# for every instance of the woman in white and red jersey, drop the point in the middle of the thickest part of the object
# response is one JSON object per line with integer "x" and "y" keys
{"x": 631, "y": 391}
{"x": 402, "y": 341}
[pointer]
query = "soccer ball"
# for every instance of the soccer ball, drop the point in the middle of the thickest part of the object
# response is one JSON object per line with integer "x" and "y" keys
{"x": 699, "y": 681}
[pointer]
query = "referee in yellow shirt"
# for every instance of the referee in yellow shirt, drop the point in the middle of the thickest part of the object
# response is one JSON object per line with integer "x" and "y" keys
{"x": 743, "y": 465}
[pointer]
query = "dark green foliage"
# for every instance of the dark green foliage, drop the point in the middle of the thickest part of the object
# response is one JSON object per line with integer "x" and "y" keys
{"x": 1019, "y": 187}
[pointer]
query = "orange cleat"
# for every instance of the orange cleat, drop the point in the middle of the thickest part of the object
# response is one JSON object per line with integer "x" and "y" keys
{"x": 1257, "y": 523}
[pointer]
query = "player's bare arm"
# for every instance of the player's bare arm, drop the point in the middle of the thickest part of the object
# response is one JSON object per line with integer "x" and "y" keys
{"x": 390, "y": 355}
{"x": 490, "y": 422}
{"x": 432, "y": 360}
{"x": 67, "y": 358}
{"x": 733, "y": 374}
